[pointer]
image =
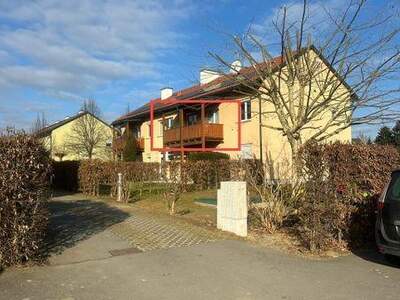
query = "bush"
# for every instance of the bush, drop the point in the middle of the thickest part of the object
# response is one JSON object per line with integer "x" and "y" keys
{"x": 201, "y": 174}
{"x": 24, "y": 179}
{"x": 206, "y": 174}
{"x": 193, "y": 156}
{"x": 93, "y": 173}
{"x": 65, "y": 175}
{"x": 342, "y": 183}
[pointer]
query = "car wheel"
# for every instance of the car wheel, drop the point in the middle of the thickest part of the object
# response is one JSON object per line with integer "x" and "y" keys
{"x": 392, "y": 259}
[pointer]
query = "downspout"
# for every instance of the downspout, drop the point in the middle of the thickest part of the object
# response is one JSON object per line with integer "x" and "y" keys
{"x": 260, "y": 129}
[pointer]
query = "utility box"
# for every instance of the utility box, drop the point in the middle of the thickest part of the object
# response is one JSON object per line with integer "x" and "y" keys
{"x": 232, "y": 207}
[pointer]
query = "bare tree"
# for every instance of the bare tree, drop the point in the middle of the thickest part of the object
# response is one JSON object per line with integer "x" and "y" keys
{"x": 322, "y": 82}
{"x": 87, "y": 137}
{"x": 90, "y": 105}
{"x": 39, "y": 123}
{"x": 59, "y": 151}
{"x": 176, "y": 177}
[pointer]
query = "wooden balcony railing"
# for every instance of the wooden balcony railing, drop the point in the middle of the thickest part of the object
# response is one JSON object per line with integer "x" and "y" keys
{"x": 119, "y": 143}
{"x": 193, "y": 134}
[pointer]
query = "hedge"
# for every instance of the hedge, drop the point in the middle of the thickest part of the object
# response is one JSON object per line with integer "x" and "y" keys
{"x": 202, "y": 174}
{"x": 207, "y": 156}
{"x": 24, "y": 179}
{"x": 342, "y": 183}
{"x": 93, "y": 173}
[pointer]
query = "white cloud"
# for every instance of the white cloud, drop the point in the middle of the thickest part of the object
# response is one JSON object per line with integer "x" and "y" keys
{"x": 72, "y": 47}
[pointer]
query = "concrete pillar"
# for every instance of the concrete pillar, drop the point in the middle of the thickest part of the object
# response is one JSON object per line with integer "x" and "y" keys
{"x": 119, "y": 188}
{"x": 232, "y": 207}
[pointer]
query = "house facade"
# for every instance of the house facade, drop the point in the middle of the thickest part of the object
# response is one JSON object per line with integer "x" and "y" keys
{"x": 216, "y": 125}
{"x": 65, "y": 139}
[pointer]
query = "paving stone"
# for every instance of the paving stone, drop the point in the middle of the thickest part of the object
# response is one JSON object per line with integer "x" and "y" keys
{"x": 147, "y": 232}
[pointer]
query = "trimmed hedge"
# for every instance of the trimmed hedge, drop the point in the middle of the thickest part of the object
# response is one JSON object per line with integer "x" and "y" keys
{"x": 65, "y": 175}
{"x": 201, "y": 174}
{"x": 24, "y": 179}
{"x": 207, "y": 156}
{"x": 342, "y": 183}
{"x": 93, "y": 173}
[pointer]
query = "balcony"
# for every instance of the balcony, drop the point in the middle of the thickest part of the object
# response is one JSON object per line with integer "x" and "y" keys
{"x": 193, "y": 135}
{"x": 119, "y": 143}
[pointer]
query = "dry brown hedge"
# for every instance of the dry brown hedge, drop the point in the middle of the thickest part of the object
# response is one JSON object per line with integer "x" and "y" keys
{"x": 24, "y": 179}
{"x": 200, "y": 174}
{"x": 93, "y": 173}
{"x": 342, "y": 183}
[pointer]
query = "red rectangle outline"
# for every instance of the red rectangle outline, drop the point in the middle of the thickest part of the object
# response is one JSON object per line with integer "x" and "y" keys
{"x": 183, "y": 149}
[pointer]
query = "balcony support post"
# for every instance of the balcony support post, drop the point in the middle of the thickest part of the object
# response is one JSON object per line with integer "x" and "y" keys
{"x": 180, "y": 132}
{"x": 163, "y": 130}
{"x": 113, "y": 142}
{"x": 203, "y": 138}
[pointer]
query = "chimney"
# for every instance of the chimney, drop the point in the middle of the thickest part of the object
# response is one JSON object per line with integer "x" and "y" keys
{"x": 208, "y": 75}
{"x": 236, "y": 66}
{"x": 166, "y": 93}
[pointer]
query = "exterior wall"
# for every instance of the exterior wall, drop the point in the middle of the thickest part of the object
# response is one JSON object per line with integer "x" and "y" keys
{"x": 148, "y": 155}
{"x": 276, "y": 146}
{"x": 59, "y": 140}
{"x": 249, "y": 129}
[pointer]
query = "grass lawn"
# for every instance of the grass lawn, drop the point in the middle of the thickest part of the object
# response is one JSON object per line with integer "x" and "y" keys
{"x": 186, "y": 206}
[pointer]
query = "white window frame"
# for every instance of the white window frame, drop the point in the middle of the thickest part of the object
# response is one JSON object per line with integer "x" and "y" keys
{"x": 246, "y": 111}
{"x": 214, "y": 117}
{"x": 169, "y": 122}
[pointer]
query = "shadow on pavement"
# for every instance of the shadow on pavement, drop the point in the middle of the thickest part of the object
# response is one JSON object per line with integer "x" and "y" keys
{"x": 372, "y": 255}
{"x": 73, "y": 221}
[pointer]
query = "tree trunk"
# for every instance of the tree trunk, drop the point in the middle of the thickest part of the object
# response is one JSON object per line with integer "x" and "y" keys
{"x": 294, "y": 146}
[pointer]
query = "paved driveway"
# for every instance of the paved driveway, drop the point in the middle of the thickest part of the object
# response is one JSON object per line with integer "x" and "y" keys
{"x": 100, "y": 265}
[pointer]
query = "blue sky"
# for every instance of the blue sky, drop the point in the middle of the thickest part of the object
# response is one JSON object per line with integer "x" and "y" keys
{"x": 54, "y": 54}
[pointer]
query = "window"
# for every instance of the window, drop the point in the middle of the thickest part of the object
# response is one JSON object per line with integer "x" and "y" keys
{"x": 161, "y": 129}
{"x": 169, "y": 123}
{"x": 213, "y": 117}
{"x": 192, "y": 119}
{"x": 393, "y": 193}
{"x": 245, "y": 110}
{"x": 136, "y": 132}
{"x": 247, "y": 152}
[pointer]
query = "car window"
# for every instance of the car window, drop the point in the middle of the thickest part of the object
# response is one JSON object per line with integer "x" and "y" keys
{"x": 393, "y": 194}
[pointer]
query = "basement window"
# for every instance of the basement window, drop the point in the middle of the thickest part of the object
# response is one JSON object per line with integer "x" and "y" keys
{"x": 246, "y": 151}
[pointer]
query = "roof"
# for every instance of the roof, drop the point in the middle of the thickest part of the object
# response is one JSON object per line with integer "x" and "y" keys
{"x": 48, "y": 129}
{"x": 221, "y": 84}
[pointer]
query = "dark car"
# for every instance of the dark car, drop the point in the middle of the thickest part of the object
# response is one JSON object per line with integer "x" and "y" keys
{"x": 387, "y": 229}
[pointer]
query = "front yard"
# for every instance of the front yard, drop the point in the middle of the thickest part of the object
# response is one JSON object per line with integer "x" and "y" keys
{"x": 198, "y": 208}
{"x": 188, "y": 209}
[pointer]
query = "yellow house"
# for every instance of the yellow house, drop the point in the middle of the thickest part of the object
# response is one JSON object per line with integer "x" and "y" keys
{"x": 216, "y": 125}
{"x": 81, "y": 136}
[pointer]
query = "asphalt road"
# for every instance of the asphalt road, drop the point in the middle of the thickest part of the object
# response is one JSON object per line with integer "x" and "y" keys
{"x": 218, "y": 270}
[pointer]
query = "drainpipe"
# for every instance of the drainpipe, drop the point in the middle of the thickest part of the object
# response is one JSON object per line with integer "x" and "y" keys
{"x": 260, "y": 129}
